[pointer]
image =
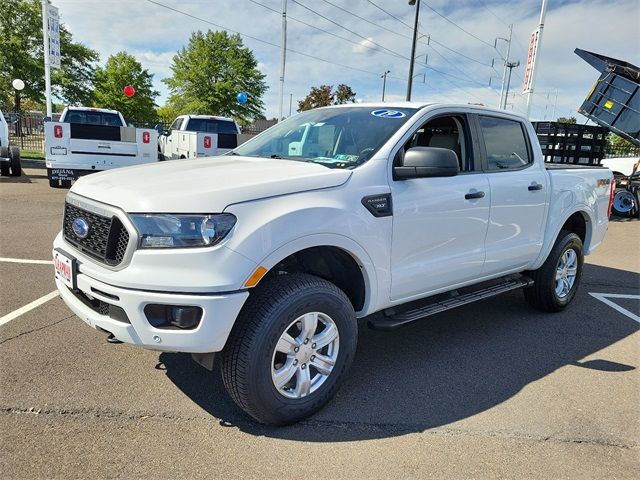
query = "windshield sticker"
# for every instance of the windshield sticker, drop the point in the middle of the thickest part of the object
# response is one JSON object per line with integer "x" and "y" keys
{"x": 384, "y": 113}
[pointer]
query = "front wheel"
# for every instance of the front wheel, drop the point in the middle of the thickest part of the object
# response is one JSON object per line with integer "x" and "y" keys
{"x": 556, "y": 281}
{"x": 290, "y": 349}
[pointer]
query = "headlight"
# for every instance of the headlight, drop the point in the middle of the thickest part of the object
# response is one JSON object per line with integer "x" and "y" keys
{"x": 180, "y": 231}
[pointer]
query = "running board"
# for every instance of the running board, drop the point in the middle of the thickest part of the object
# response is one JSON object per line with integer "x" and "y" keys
{"x": 392, "y": 321}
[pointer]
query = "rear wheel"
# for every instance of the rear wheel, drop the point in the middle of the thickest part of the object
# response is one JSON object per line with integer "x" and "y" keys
{"x": 290, "y": 349}
{"x": 4, "y": 166}
{"x": 625, "y": 203}
{"x": 556, "y": 281}
{"x": 16, "y": 165}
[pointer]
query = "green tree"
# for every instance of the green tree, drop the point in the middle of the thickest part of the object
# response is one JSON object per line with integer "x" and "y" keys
{"x": 22, "y": 56}
{"x": 209, "y": 73}
{"x": 572, "y": 120}
{"x": 344, "y": 94}
{"x": 123, "y": 69}
{"x": 618, "y": 146}
{"x": 323, "y": 96}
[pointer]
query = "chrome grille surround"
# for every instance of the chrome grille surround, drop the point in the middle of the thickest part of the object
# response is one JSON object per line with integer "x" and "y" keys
{"x": 114, "y": 239}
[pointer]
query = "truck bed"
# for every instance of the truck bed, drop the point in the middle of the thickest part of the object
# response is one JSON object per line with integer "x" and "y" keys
{"x": 569, "y": 166}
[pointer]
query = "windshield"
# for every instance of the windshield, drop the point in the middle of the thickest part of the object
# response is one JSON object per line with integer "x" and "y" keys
{"x": 342, "y": 137}
{"x": 211, "y": 126}
{"x": 88, "y": 117}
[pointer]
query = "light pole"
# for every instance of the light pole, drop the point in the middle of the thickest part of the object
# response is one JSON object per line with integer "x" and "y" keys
{"x": 283, "y": 56}
{"x": 384, "y": 82}
{"x": 510, "y": 66}
{"x": 18, "y": 86}
{"x": 506, "y": 60}
{"x": 413, "y": 47}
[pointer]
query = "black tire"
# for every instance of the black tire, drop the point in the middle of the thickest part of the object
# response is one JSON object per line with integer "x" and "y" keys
{"x": 248, "y": 357}
{"x": 543, "y": 295}
{"x": 16, "y": 165}
{"x": 4, "y": 166}
{"x": 625, "y": 203}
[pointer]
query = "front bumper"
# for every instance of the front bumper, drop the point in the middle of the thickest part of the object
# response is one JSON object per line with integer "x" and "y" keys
{"x": 219, "y": 314}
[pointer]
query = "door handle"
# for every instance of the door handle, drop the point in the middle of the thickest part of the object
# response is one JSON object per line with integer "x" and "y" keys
{"x": 535, "y": 186}
{"x": 470, "y": 196}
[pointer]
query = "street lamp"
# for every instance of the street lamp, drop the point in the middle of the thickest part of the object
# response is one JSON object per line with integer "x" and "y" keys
{"x": 413, "y": 47}
{"x": 18, "y": 86}
{"x": 384, "y": 82}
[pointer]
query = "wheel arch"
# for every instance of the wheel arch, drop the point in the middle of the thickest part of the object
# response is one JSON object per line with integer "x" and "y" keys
{"x": 578, "y": 221}
{"x": 335, "y": 258}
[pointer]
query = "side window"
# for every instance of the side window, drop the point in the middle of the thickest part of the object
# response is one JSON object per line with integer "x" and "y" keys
{"x": 176, "y": 124}
{"x": 450, "y": 132}
{"x": 505, "y": 143}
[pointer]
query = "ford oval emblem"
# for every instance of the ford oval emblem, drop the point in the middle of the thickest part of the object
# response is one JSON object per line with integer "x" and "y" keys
{"x": 80, "y": 227}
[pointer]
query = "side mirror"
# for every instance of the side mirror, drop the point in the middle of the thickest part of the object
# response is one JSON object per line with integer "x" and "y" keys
{"x": 421, "y": 162}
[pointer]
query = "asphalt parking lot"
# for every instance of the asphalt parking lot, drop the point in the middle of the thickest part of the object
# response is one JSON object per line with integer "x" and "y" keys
{"x": 493, "y": 389}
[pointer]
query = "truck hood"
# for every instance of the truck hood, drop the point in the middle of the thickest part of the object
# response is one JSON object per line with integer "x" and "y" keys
{"x": 204, "y": 185}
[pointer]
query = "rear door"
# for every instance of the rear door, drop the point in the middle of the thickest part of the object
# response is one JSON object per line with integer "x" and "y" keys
{"x": 519, "y": 194}
{"x": 439, "y": 224}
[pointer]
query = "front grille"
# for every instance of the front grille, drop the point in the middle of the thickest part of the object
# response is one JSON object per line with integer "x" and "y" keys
{"x": 107, "y": 239}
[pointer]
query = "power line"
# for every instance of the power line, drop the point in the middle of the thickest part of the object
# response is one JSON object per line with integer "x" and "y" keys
{"x": 390, "y": 14}
{"x": 454, "y": 65}
{"x": 266, "y": 42}
{"x": 425, "y": 35}
{"x": 455, "y": 24}
{"x": 289, "y": 17}
{"x": 350, "y": 31}
{"x": 458, "y": 53}
{"x": 492, "y": 13}
{"x": 366, "y": 20}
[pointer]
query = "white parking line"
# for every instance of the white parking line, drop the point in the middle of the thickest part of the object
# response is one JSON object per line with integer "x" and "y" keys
{"x": 26, "y": 260}
{"x": 30, "y": 306}
{"x": 604, "y": 298}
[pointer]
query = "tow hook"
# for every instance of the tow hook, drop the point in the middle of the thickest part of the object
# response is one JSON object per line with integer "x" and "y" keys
{"x": 112, "y": 339}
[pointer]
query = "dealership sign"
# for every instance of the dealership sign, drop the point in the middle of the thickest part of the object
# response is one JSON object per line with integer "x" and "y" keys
{"x": 531, "y": 57}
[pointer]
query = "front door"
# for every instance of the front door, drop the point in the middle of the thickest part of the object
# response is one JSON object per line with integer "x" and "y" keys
{"x": 439, "y": 224}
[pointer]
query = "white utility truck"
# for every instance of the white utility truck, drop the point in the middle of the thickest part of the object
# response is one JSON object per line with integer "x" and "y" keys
{"x": 10, "y": 164}
{"x": 192, "y": 136}
{"x": 88, "y": 140}
{"x": 269, "y": 258}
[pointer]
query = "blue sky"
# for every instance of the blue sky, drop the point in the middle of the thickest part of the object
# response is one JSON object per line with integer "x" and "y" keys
{"x": 378, "y": 42}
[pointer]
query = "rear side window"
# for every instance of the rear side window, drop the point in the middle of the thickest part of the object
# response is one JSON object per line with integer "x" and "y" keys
{"x": 505, "y": 143}
{"x": 211, "y": 126}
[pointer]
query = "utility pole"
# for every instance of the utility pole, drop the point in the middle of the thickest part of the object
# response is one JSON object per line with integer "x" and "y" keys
{"x": 510, "y": 66}
{"x": 506, "y": 60}
{"x": 290, "y": 102}
{"x": 384, "y": 82}
{"x": 413, "y": 48}
{"x": 534, "y": 70}
{"x": 47, "y": 64}
{"x": 283, "y": 56}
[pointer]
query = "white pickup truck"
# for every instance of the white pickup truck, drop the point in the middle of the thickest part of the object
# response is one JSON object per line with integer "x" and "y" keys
{"x": 269, "y": 258}
{"x": 88, "y": 140}
{"x": 192, "y": 136}
{"x": 10, "y": 163}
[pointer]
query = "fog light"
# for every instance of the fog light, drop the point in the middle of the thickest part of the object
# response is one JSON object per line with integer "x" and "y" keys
{"x": 170, "y": 317}
{"x": 186, "y": 317}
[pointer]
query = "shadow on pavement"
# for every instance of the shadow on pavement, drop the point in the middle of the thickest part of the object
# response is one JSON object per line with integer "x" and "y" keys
{"x": 440, "y": 370}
